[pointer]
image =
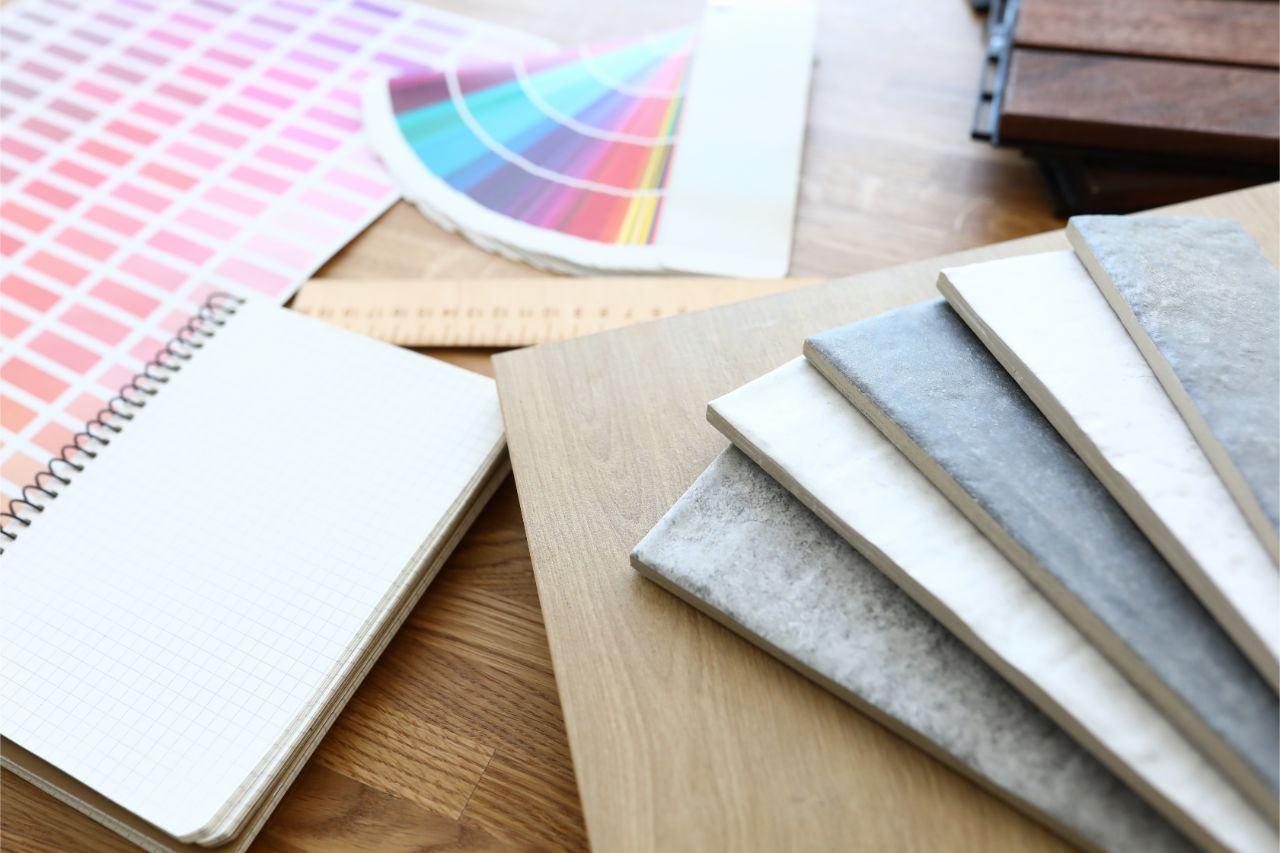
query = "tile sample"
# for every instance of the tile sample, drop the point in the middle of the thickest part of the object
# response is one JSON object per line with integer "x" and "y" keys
{"x": 1203, "y": 304}
{"x": 807, "y": 436}
{"x": 930, "y": 386}
{"x": 1052, "y": 330}
{"x": 740, "y": 548}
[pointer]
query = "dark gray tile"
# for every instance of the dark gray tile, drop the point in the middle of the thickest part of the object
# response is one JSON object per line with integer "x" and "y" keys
{"x": 935, "y": 391}
{"x": 739, "y": 547}
{"x": 1203, "y": 303}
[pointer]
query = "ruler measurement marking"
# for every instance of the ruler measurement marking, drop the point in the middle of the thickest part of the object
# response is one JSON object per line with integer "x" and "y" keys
{"x": 514, "y": 312}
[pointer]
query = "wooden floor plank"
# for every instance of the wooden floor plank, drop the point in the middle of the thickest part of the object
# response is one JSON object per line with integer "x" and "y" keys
{"x": 1182, "y": 109}
{"x": 401, "y": 753}
{"x": 331, "y": 813}
{"x": 1230, "y": 32}
{"x": 517, "y": 785}
{"x": 469, "y": 673}
{"x": 31, "y": 820}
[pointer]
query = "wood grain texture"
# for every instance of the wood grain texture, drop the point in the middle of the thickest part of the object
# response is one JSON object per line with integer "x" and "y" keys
{"x": 889, "y": 175}
{"x": 1187, "y": 109}
{"x": 684, "y": 736}
{"x": 1230, "y": 32}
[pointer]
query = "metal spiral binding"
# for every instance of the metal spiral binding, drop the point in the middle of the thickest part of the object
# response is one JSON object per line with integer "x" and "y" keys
{"x": 120, "y": 409}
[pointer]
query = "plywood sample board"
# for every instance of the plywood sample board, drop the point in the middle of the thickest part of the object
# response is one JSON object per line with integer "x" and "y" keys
{"x": 683, "y": 735}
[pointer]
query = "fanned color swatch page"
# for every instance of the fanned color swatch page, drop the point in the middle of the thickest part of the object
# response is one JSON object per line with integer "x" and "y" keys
{"x": 575, "y": 143}
{"x": 678, "y": 151}
{"x": 154, "y": 151}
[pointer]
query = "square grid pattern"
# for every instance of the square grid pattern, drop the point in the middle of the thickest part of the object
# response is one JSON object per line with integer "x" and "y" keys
{"x": 174, "y": 620}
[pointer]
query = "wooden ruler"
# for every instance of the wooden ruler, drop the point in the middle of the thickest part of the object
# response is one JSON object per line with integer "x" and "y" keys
{"x": 513, "y": 312}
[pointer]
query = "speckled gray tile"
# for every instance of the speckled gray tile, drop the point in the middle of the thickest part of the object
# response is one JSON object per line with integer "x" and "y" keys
{"x": 1202, "y": 302}
{"x": 929, "y": 385}
{"x": 739, "y": 547}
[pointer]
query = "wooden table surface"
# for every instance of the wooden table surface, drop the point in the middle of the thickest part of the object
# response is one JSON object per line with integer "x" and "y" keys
{"x": 456, "y": 739}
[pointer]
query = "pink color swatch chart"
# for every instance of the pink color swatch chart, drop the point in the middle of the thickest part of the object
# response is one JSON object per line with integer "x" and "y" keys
{"x": 154, "y": 151}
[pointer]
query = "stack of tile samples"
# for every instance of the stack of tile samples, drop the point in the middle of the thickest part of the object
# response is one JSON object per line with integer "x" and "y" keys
{"x": 1131, "y": 105}
{"x": 1032, "y": 527}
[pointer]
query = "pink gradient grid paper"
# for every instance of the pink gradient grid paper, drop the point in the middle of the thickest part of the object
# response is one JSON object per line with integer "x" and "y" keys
{"x": 154, "y": 151}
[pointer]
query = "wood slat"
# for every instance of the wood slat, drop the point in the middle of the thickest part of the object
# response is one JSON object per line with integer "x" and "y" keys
{"x": 686, "y": 737}
{"x": 1231, "y": 32}
{"x": 1184, "y": 109}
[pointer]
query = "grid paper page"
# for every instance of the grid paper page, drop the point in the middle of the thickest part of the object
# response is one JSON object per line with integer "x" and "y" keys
{"x": 154, "y": 150}
{"x": 173, "y": 616}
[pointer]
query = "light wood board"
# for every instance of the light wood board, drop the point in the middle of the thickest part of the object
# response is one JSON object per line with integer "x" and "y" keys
{"x": 683, "y": 735}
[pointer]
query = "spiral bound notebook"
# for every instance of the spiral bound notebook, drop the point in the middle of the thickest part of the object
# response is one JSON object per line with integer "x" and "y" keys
{"x": 190, "y": 597}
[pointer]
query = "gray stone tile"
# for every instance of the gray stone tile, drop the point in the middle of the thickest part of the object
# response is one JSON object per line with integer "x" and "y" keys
{"x": 739, "y": 547}
{"x": 929, "y": 385}
{"x": 1202, "y": 302}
